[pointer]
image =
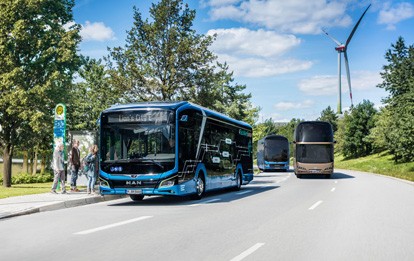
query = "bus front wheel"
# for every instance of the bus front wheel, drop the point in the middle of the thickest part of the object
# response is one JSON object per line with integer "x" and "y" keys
{"x": 136, "y": 197}
{"x": 200, "y": 187}
{"x": 239, "y": 181}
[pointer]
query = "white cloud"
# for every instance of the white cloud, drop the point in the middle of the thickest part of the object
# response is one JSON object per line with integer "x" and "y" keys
{"x": 284, "y": 106}
{"x": 96, "y": 31}
{"x": 391, "y": 15}
{"x": 259, "y": 43}
{"x": 325, "y": 85}
{"x": 256, "y": 53}
{"x": 305, "y": 17}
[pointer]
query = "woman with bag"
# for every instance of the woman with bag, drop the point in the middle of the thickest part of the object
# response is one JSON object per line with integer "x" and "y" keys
{"x": 92, "y": 168}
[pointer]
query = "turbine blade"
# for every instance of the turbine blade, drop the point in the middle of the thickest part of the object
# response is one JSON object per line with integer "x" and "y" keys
{"x": 355, "y": 27}
{"x": 348, "y": 76}
{"x": 333, "y": 39}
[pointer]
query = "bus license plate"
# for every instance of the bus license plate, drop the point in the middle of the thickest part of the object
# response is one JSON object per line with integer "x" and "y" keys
{"x": 134, "y": 192}
{"x": 315, "y": 171}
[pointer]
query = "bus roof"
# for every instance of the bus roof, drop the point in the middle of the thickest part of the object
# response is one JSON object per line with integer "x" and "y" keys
{"x": 275, "y": 137}
{"x": 174, "y": 106}
{"x": 313, "y": 131}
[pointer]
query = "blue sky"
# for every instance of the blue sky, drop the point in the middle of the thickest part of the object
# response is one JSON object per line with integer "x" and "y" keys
{"x": 276, "y": 47}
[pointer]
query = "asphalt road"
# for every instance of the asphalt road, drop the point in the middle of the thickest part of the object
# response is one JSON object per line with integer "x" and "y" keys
{"x": 353, "y": 216}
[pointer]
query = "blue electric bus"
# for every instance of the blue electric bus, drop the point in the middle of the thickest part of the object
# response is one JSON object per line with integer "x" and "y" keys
{"x": 172, "y": 148}
{"x": 273, "y": 153}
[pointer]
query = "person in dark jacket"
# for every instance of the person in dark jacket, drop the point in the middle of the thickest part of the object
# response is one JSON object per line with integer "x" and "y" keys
{"x": 75, "y": 165}
{"x": 93, "y": 168}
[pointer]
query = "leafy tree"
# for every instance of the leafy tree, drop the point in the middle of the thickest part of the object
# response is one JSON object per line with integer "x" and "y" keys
{"x": 357, "y": 126}
{"x": 37, "y": 60}
{"x": 329, "y": 115}
{"x": 166, "y": 60}
{"x": 92, "y": 95}
{"x": 397, "y": 121}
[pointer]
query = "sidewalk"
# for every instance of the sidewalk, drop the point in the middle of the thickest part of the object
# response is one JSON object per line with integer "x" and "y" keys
{"x": 23, "y": 205}
{"x": 28, "y": 204}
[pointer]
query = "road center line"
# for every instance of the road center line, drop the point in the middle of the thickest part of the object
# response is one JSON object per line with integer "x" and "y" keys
{"x": 333, "y": 189}
{"x": 244, "y": 192}
{"x": 247, "y": 252}
{"x": 205, "y": 202}
{"x": 89, "y": 231}
{"x": 315, "y": 205}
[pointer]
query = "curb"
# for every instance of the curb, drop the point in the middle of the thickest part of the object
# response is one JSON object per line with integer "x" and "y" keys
{"x": 61, "y": 205}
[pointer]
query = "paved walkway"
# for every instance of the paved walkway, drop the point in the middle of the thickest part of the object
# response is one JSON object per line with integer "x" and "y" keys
{"x": 28, "y": 204}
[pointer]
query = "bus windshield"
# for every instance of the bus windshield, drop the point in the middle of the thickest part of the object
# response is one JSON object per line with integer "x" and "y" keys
{"x": 276, "y": 150}
{"x": 314, "y": 132}
{"x": 314, "y": 153}
{"x": 138, "y": 137}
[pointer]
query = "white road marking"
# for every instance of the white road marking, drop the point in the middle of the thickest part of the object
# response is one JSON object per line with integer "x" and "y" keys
{"x": 244, "y": 192}
{"x": 205, "y": 202}
{"x": 284, "y": 179}
{"x": 247, "y": 252}
{"x": 89, "y": 231}
{"x": 333, "y": 189}
{"x": 315, "y": 205}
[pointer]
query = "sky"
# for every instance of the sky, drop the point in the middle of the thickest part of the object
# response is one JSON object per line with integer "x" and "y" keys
{"x": 277, "y": 48}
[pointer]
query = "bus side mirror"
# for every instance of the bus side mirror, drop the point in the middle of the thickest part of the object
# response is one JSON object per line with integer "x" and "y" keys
{"x": 334, "y": 141}
{"x": 294, "y": 142}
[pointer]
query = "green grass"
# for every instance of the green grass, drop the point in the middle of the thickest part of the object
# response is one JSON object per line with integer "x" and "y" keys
{"x": 24, "y": 189}
{"x": 381, "y": 163}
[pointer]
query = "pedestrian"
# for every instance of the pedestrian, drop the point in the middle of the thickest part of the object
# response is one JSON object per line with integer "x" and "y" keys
{"x": 58, "y": 168}
{"x": 93, "y": 168}
{"x": 75, "y": 165}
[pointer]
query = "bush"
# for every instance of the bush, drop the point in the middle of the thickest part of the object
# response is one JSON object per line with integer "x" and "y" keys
{"x": 25, "y": 178}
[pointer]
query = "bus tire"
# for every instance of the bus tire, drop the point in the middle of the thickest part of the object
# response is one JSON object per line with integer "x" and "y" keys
{"x": 298, "y": 176}
{"x": 137, "y": 197}
{"x": 239, "y": 181}
{"x": 327, "y": 176}
{"x": 200, "y": 187}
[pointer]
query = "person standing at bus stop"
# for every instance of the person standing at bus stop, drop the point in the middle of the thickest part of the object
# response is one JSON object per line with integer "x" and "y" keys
{"x": 75, "y": 163}
{"x": 93, "y": 168}
{"x": 58, "y": 168}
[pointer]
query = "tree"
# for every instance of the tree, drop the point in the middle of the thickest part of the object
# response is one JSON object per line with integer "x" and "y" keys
{"x": 357, "y": 126}
{"x": 397, "y": 121}
{"x": 37, "y": 60}
{"x": 91, "y": 96}
{"x": 166, "y": 60}
{"x": 329, "y": 115}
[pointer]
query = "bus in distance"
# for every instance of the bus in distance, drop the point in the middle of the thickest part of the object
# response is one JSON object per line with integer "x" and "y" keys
{"x": 313, "y": 149}
{"x": 172, "y": 148}
{"x": 273, "y": 153}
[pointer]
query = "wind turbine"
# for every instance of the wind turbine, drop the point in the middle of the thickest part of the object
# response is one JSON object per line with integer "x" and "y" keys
{"x": 341, "y": 48}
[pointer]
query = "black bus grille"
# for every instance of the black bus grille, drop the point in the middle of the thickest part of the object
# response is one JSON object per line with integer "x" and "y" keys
{"x": 134, "y": 183}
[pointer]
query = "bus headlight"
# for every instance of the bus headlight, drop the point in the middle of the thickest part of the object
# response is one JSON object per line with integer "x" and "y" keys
{"x": 103, "y": 183}
{"x": 167, "y": 183}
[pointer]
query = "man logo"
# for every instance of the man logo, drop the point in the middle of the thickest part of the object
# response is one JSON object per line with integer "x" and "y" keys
{"x": 133, "y": 182}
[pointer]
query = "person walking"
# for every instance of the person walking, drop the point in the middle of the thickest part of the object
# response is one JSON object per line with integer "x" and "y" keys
{"x": 58, "y": 169}
{"x": 93, "y": 168}
{"x": 75, "y": 165}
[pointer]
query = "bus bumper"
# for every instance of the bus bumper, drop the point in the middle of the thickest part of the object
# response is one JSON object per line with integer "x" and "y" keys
{"x": 182, "y": 189}
{"x": 276, "y": 165}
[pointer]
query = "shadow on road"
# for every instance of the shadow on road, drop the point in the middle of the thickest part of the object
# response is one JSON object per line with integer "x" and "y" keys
{"x": 335, "y": 175}
{"x": 216, "y": 197}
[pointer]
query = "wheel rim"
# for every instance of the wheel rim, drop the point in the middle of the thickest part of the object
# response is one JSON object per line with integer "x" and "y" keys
{"x": 200, "y": 186}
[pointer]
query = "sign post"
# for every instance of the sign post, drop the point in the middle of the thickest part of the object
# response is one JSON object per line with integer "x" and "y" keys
{"x": 59, "y": 128}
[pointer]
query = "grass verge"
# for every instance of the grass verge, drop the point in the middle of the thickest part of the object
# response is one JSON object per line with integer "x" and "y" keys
{"x": 381, "y": 163}
{"x": 25, "y": 189}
